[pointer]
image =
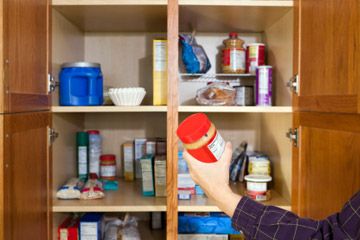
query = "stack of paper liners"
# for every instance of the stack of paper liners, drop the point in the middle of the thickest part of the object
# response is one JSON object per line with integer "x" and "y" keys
{"x": 160, "y": 176}
{"x": 159, "y": 72}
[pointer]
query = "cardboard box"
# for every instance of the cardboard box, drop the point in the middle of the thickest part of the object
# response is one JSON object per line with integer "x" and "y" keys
{"x": 185, "y": 181}
{"x": 160, "y": 176}
{"x": 129, "y": 161}
{"x": 69, "y": 229}
{"x": 148, "y": 188}
{"x": 159, "y": 72}
{"x": 91, "y": 226}
{"x": 150, "y": 147}
{"x": 140, "y": 151}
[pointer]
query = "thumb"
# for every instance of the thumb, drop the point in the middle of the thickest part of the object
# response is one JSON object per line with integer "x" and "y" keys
{"x": 226, "y": 156}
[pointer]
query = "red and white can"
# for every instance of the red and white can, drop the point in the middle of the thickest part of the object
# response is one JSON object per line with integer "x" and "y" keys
{"x": 255, "y": 56}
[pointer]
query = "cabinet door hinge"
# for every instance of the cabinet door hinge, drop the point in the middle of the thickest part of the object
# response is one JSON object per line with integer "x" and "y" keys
{"x": 292, "y": 134}
{"x": 52, "y": 84}
{"x": 294, "y": 84}
{"x": 52, "y": 135}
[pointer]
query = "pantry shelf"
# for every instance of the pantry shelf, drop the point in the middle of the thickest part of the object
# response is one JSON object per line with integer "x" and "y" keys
{"x": 127, "y": 199}
{"x": 198, "y": 77}
{"x": 104, "y": 109}
{"x": 204, "y": 204}
{"x": 236, "y": 109}
{"x": 269, "y": 3}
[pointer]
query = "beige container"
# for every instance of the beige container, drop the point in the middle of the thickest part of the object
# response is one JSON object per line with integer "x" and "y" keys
{"x": 160, "y": 176}
{"x": 159, "y": 72}
{"x": 129, "y": 161}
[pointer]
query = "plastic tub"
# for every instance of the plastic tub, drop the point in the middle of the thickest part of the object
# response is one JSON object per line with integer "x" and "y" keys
{"x": 257, "y": 187}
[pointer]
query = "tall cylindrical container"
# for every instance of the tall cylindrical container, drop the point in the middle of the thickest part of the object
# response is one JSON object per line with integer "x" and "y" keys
{"x": 263, "y": 86}
{"x": 233, "y": 55}
{"x": 95, "y": 151}
{"x": 82, "y": 149}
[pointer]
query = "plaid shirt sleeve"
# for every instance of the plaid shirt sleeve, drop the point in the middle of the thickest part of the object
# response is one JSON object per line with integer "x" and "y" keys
{"x": 257, "y": 221}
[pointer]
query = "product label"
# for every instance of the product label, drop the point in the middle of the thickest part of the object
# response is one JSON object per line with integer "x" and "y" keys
{"x": 256, "y": 186}
{"x": 108, "y": 171}
{"x": 160, "y": 56}
{"x": 263, "y": 82}
{"x": 217, "y": 146}
{"x": 128, "y": 159}
{"x": 147, "y": 175}
{"x": 63, "y": 234}
{"x": 237, "y": 59}
{"x": 94, "y": 162}
{"x": 82, "y": 160}
{"x": 89, "y": 231}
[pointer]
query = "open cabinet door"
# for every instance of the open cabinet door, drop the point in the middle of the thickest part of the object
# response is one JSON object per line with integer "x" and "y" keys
{"x": 26, "y": 44}
{"x": 27, "y": 172}
{"x": 327, "y": 55}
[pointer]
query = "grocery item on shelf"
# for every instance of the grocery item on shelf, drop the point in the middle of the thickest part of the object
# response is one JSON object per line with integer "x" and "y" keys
{"x": 147, "y": 170}
{"x": 128, "y": 159}
{"x": 182, "y": 165}
{"x": 69, "y": 228}
{"x": 257, "y": 187}
{"x": 71, "y": 189}
{"x": 202, "y": 237}
{"x": 233, "y": 55}
{"x": 244, "y": 95}
{"x": 95, "y": 150}
{"x": 216, "y": 94}
{"x": 159, "y": 72}
{"x": 259, "y": 164}
{"x": 93, "y": 189}
{"x": 200, "y": 138}
{"x": 237, "y": 163}
{"x": 193, "y": 55}
{"x": 150, "y": 147}
{"x": 81, "y": 84}
{"x": 131, "y": 96}
{"x": 255, "y": 56}
{"x": 263, "y": 90}
{"x": 198, "y": 190}
{"x": 140, "y": 148}
{"x": 185, "y": 183}
{"x": 108, "y": 167}
{"x": 91, "y": 226}
{"x": 82, "y": 146}
{"x": 160, "y": 176}
{"x": 184, "y": 195}
{"x": 107, "y": 98}
{"x": 111, "y": 228}
{"x": 210, "y": 223}
{"x": 129, "y": 229}
{"x": 110, "y": 185}
{"x": 160, "y": 146}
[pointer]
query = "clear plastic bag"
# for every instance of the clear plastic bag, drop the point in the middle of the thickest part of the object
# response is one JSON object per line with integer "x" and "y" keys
{"x": 129, "y": 229}
{"x": 216, "y": 94}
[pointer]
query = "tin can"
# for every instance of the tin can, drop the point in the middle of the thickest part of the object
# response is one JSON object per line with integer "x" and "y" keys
{"x": 244, "y": 95}
{"x": 255, "y": 56}
{"x": 263, "y": 86}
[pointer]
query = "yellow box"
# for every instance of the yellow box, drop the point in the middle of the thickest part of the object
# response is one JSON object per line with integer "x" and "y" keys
{"x": 128, "y": 156}
{"x": 159, "y": 72}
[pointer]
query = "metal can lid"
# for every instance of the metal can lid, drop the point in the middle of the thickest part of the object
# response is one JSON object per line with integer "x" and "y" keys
{"x": 81, "y": 65}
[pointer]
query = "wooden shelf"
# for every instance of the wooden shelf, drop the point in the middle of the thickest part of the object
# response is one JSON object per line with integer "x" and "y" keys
{"x": 107, "y": 2}
{"x": 235, "y": 109}
{"x": 127, "y": 199}
{"x": 204, "y": 204}
{"x": 61, "y": 109}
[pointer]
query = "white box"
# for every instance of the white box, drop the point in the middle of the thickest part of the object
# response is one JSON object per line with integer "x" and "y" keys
{"x": 140, "y": 151}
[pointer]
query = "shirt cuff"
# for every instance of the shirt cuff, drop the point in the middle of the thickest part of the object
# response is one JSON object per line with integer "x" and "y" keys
{"x": 246, "y": 216}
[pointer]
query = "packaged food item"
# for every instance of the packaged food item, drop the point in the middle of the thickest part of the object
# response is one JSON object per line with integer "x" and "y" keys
{"x": 71, "y": 189}
{"x": 111, "y": 229}
{"x": 237, "y": 163}
{"x": 69, "y": 229}
{"x": 259, "y": 164}
{"x": 140, "y": 150}
{"x": 193, "y": 55}
{"x": 159, "y": 72}
{"x": 216, "y": 94}
{"x": 129, "y": 229}
{"x": 108, "y": 167}
{"x": 244, "y": 95}
{"x": 257, "y": 187}
{"x": 255, "y": 56}
{"x": 150, "y": 147}
{"x": 186, "y": 182}
{"x": 93, "y": 190}
{"x": 182, "y": 165}
{"x": 200, "y": 138}
{"x": 233, "y": 55}
{"x": 184, "y": 195}
{"x": 263, "y": 93}
{"x": 110, "y": 185}
{"x": 95, "y": 150}
{"x": 128, "y": 153}
{"x": 147, "y": 175}
{"x": 198, "y": 190}
{"x": 91, "y": 226}
{"x": 82, "y": 148}
{"x": 160, "y": 176}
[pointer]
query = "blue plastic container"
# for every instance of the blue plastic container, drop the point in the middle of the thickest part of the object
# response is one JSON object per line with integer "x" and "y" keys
{"x": 81, "y": 84}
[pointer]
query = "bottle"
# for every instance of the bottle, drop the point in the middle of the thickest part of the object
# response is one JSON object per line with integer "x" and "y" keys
{"x": 233, "y": 55}
{"x": 82, "y": 145}
{"x": 108, "y": 167}
{"x": 95, "y": 150}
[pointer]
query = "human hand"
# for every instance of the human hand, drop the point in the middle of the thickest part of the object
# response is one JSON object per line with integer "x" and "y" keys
{"x": 214, "y": 179}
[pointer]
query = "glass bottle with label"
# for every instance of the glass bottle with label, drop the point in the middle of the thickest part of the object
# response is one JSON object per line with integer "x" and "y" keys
{"x": 82, "y": 146}
{"x": 233, "y": 55}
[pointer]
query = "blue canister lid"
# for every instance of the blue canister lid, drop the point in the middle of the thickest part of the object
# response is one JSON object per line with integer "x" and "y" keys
{"x": 81, "y": 65}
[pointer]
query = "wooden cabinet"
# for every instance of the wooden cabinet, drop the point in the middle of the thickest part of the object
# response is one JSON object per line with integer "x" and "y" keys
{"x": 299, "y": 35}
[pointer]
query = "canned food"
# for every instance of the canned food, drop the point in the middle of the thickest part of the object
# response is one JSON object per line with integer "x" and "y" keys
{"x": 263, "y": 86}
{"x": 244, "y": 95}
{"x": 255, "y": 56}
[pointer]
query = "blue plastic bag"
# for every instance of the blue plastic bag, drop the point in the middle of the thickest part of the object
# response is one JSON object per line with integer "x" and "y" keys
{"x": 193, "y": 55}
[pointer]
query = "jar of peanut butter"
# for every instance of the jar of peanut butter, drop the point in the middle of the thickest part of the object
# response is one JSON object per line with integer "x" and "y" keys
{"x": 233, "y": 55}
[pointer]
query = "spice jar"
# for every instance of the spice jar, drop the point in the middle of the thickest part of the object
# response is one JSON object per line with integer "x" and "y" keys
{"x": 200, "y": 138}
{"x": 108, "y": 167}
{"x": 233, "y": 55}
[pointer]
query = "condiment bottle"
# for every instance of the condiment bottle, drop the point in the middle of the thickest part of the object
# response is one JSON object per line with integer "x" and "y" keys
{"x": 82, "y": 144}
{"x": 108, "y": 167}
{"x": 200, "y": 138}
{"x": 233, "y": 55}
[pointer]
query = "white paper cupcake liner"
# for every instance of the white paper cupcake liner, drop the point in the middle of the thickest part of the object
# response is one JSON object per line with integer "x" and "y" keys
{"x": 127, "y": 96}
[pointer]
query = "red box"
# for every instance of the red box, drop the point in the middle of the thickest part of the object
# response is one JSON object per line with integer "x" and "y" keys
{"x": 69, "y": 229}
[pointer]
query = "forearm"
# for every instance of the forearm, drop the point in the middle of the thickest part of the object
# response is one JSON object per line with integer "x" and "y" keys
{"x": 227, "y": 201}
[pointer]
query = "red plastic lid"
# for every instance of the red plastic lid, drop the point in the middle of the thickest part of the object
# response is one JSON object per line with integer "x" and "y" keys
{"x": 107, "y": 157}
{"x": 193, "y": 128}
{"x": 93, "y": 132}
{"x": 233, "y": 35}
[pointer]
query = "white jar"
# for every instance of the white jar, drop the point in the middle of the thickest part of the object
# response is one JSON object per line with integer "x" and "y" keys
{"x": 95, "y": 151}
{"x": 257, "y": 186}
